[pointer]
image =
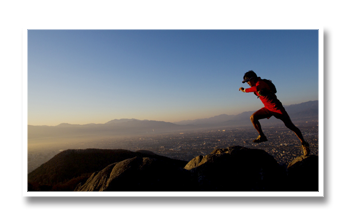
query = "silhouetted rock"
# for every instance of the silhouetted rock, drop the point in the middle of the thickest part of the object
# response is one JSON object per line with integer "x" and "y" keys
{"x": 303, "y": 173}
{"x": 233, "y": 168}
{"x": 72, "y": 164}
{"x": 146, "y": 152}
{"x": 139, "y": 174}
{"x": 237, "y": 169}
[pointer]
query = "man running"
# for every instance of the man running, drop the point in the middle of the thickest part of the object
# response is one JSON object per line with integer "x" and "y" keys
{"x": 272, "y": 107}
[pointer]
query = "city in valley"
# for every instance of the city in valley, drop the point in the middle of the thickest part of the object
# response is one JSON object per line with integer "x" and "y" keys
{"x": 282, "y": 143}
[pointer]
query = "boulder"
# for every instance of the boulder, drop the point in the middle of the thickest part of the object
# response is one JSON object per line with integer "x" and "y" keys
{"x": 303, "y": 174}
{"x": 237, "y": 168}
{"x": 73, "y": 164}
{"x": 139, "y": 174}
{"x": 233, "y": 168}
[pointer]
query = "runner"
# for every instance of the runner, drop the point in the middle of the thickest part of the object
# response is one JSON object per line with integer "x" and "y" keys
{"x": 265, "y": 91}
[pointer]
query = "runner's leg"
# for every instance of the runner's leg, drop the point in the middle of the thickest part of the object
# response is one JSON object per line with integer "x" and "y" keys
{"x": 260, "y": 114}
{"x": 289, "y": 124}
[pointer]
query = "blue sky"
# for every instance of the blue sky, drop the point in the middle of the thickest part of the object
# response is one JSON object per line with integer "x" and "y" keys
{"x": 94, "y": 76}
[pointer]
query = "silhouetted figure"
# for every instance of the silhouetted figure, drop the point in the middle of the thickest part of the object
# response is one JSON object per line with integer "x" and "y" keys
{"x": 265, "y": 91}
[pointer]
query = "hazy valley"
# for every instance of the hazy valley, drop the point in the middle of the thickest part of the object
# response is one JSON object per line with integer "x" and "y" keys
{"x": 173, "y": 140}
{"x": 41, "y": 136}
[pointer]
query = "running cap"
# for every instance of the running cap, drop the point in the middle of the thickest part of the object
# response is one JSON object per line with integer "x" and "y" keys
{"x": 248, "y": 76}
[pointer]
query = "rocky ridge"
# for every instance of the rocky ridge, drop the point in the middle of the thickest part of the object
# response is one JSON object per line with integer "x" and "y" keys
{"x": 233, "y": 168}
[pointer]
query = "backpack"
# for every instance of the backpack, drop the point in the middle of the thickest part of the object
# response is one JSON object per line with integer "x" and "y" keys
{"x": 266, "y": 92}
{"x": 271, "y": 85}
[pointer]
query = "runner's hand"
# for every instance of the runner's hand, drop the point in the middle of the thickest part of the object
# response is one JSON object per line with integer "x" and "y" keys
{"x": 242, "y": 89}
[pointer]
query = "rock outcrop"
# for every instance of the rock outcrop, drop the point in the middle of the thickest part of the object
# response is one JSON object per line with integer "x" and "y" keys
{"x": 80, "y": 164}
{"x": 236, "y": 169}
{"x": 303, "y": 174}
{"x": 139, "y": 174}
{"x": 233, "y": 168}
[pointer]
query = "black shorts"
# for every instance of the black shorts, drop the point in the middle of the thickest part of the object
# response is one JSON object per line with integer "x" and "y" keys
{"x": 278, "y": 113}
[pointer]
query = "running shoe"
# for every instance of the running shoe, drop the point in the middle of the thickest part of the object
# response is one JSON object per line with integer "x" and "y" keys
{"x": 260, "y": 139}
{"x": 305, "y": 148}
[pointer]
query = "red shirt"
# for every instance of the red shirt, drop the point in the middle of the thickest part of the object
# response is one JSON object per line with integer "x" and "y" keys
{"x": 270, "y": 101}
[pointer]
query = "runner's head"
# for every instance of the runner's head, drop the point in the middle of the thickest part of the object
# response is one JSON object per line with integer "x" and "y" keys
{"x": 250, "y": 77}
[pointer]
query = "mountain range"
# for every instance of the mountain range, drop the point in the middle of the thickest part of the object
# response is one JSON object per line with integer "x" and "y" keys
{"x": 296, "y": 111}
{"x": 122, "y": 127}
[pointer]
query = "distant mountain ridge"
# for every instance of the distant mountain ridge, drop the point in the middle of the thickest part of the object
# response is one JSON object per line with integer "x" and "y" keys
{"x": 296, "y": 111}
{"x": 134, "y": 126}
{"x": 113, "y": 127}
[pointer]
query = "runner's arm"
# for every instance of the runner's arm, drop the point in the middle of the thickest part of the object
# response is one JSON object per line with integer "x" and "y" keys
{"x": 249, "y": 90}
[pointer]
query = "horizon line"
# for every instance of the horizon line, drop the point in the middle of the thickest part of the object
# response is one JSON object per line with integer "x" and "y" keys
{"x": 91, "y": 123}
